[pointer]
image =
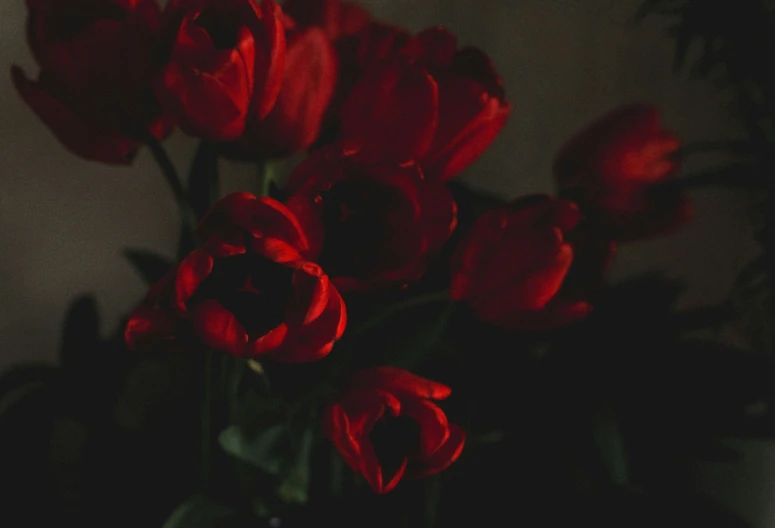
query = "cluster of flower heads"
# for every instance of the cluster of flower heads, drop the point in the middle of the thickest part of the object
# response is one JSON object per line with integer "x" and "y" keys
{"x": 387, "y": 118}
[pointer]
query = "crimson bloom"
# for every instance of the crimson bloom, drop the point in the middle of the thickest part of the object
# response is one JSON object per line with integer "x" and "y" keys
{"x": 614, "y": 170}
{"x": 386, "y": 427}
{"x": 360, "y": 42}
{"x": 308, "y": 82}
{"x": 369, "y": 225}
{"x": 97, "y": 60}
{"x": 433, "y": 103}
{"x": 529, "y": 266}
{"x": 248, "y": 291}
{"x": 337, "y": 18}
{"x": 226, "y": 61}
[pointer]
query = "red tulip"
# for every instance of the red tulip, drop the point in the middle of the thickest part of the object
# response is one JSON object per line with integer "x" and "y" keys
{"x": 226, "y": 61}
{"x": 433, "y": 103}
{"x": 513, "y": 267}
{"x": 248, "y": 291}
{"x": 386, "y": 427}
{"x": 614, "y": 169}
{"x": 97, "y": 61}
{"x": 338, "y": 19}
{"x": 369, "y": 225}
{"x": 308, "y": 83}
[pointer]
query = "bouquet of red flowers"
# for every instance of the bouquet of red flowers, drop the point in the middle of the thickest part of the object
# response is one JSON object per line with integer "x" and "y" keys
{"x": 362, "y": 323}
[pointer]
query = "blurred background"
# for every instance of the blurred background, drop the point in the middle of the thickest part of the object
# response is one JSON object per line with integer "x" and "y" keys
{"x": 64, "y": 221}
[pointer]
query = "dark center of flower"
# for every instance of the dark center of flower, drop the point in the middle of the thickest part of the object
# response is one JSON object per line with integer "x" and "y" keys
{"x": 253, "y": 288}
{"x": 221, "y": 23}
{"x": 394, "y": 439}
{"x": 368, "y": 228}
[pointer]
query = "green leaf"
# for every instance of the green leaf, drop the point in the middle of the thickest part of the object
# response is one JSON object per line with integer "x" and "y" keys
{"x": 150, "y": 266}
{"x": 203, "y": 178}
{"x": 294, "y": 487}
{"x": 199, "y": 512}
{"x": 264, "y": 450}
{"x": 80, "y": 334}
{"x": 402, "y": 334}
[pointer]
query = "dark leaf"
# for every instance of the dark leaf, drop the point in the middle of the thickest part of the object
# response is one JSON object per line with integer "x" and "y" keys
{"x": 80, "y": 334}
{"x": 403, "y": 334}
{"x": 265, "y": 450}
{"x": 203, "y": 178}
{"x": 150, "y": 266}
{"x": 295, "y": 483}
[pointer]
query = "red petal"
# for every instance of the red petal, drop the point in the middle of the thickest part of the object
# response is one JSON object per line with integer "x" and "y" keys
{"x": 399, "y": 381}
{"x": 315, "y": 339}
{"x": 311, "y": 293}
{"x": 147, "y": 326}
{"x": 434, "y": 428}
{"x": 218, "y": 328}
{"x": 401, "y": 97}
{"x": 370, "y": 467}
{"x": 445, "y": 455}
{"x": 336, "y": 427}
{"x": 270, "y": 59}
{"x": 353, "y": 19}
{"x": 308, "y": 85}
{"x": 261, "y": 217}
{"x": 191, "y": 272}
{"x": 439, "y": 212}
{"x": 447, "y": 160}
{"x": 531, "y": 291}
{"x": 210, "y": 93}
{"x": 435, "y": 45}
{"x": 76, "y": 132}
{"x": 269, "y": 342}
{"x": 365, "y": 408}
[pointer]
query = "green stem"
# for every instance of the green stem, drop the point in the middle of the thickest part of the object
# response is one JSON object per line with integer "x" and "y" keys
{"x": 173, "y": 181}
{"x": 265, "y": 177}
{"x": 393, "y": 309}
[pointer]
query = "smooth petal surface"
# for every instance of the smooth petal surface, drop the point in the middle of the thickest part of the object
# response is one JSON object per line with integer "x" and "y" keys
{"x": 84, "y": 138}
{"x": 403, "y": 98}
{"x": 218, "y": 328}
{"x": 514, "y": 266}
{"x": 308, "y": 84}
{"x": 191, "y": 272}
{"x": 433, "y": 423}
{"x": 400, "y": 381}
{"x": 270, "y": 59}
{"x": 210, "y": 94}
{"x": 259, "y": 216}
{"x": 445, "y": 455}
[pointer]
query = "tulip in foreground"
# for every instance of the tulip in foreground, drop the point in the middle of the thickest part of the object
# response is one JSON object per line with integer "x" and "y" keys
{"x": 248, "y": 291}
{"x": 387, "y": 427}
